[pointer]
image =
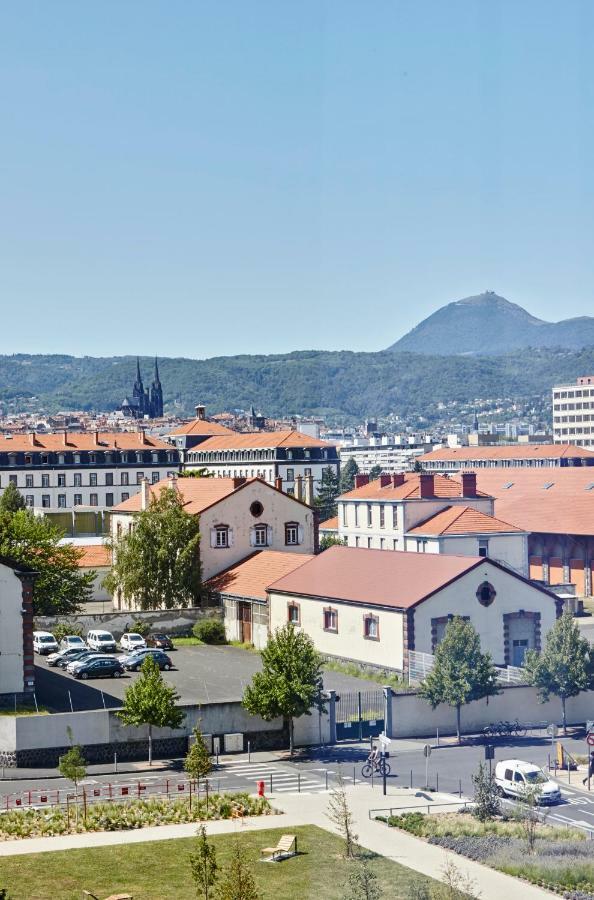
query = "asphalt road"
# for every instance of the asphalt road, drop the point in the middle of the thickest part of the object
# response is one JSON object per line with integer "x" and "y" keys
{"x": 202, "y": 674}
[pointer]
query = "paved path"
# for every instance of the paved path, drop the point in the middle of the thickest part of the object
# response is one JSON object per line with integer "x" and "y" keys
{"x": 310, "y": 809}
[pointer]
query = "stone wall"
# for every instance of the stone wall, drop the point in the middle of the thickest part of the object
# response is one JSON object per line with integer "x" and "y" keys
{"x": 171, "y": 621}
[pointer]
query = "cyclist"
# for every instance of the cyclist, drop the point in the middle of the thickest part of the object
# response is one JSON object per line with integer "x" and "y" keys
{"x": 374, "y": 756}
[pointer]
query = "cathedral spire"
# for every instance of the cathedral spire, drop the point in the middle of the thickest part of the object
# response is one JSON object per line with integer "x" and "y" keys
{"x": 156, "y": 380}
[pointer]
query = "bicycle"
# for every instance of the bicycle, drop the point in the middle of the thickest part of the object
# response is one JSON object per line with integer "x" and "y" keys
{"x": 377, "y": 767}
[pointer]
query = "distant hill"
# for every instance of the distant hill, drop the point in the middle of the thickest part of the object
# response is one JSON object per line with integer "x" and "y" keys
{"x": 490, "y": 325}
{"x": 336, "y": 384}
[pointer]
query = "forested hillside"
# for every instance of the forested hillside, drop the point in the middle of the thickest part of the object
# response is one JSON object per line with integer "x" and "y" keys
{"x": 308, "y": 382}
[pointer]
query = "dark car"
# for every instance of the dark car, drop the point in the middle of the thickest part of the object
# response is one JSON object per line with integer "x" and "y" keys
{"x": 99, "y": 667}
{"x": 69, "y": 656}
{"x": 162, "y": 641}
{"x": 134, "y": 663}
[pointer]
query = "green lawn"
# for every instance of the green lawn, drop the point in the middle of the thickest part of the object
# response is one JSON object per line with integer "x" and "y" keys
{"x": 160, "y": 869}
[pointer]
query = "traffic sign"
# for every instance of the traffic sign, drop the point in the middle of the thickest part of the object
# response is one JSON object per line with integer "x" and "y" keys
{"x": 427, "y": 750}
{"x": 590, "y": 740}
{"x": 384, "y": 740}
{"x": 552, "y": 730}
{"x": 589, "y": 726}
{"x": 489, "y": 751}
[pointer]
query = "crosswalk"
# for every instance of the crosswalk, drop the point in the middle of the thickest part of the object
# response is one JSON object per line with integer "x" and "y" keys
{"x": 277, "y": 780}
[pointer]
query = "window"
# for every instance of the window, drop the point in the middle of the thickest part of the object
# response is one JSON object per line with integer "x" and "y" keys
{"x": 483, "y": 548}
{"x": 290, "y": 474}
{"x": 221, "y": 536}
{"x": 155, "y": 476}
{"x": 119, "y": 530}
{"x": 260, "y": 536}
{"x": 369, "y": 515}
{"x": 382, "y": 543}
{"x": 395, "y": 517}
{"x": 78, "y": 499}
{"x": 109, "y": 499}
{"x": 369, "y": 543}
{"x": 61, "y": 479}
{"x": 256, "y": 509}
{"x": 13, "y": 479}
{"x": 29, "y": 481}
{"x": 421, "y": 545}
{"x": 109, "y": 478}
{"x": 29, "y": 500}
{"x": 93, "y": 479}
{"x": 124, "y": 478}
{"x": 382, "y": 516}
{"x": 45, "y": 481}
{"x": 61, "y": 501}
{"x": 293, "y": 613}
{"x": 77, "y": 480}
{"x": 307, "y": 472}
{"x": 291, "y": 534}
{"x": 356, "y": 515}
{"x": 330, "y": 619}
{"x": 139, "y": 477}
{"x": 93, "y": 500}
{"x": 357, "y": 541}
{"x": 45, "y": 501}
{"x": 125, "y": 495}
{"x": 344, "y": 507}
{"x": 371, "y": 627}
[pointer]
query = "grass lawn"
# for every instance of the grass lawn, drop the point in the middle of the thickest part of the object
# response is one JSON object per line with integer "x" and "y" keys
{"x": 159, "y": 869}
{"x": 24, "y": 711}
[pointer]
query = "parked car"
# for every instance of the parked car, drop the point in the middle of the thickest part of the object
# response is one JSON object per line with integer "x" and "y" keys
{"x": 161, "y": 641}
{"x": 74, "y": 664}
{"x": 101, "y": 640}
{"x": 132, "y": 641}
{"x": 44, "y": 643}
{"x": 138, "y": 651}
{"x": 54, "y": 658}
{"x": 134, "y": 662}
{"x": 72, "y": 642}
{"x": 99, "y": 667}
{"x": 69, "y": 656}
{"x": 514, "y": 778}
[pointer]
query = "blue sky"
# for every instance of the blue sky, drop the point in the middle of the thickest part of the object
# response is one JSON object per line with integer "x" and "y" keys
{"x": 201, "y": 179}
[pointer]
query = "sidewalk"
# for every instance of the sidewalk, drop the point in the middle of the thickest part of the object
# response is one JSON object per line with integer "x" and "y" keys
{"x": 310, "y": 809}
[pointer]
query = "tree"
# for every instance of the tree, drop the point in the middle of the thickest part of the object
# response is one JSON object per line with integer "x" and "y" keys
{"x": 290, "y": 682}
{"x": 347, "y": 475}
{"x": 203, "y": 863}
{"x": 60, "y": 586}
{"x": 564, "y": 668}
{"x": 197, "y": 762}
{"x": 11, "y": 500}
{"x": 461, "y": 672}
{"x": 331, "y": 540}
{"x": 418, "y": 466}
{"x": 375, "y": 472}
{"x": 196, "y": 473}
{"x": 149, "y": 701}
{"x": 238, "y": 879}
{"x": 158, "y": 562}
{"x": 529, "y": 815}
{"x": 73, "y": 765}
{"x": 486, "y": 795}
{"x": 328, "y": 492}
{"x": 362, "y": 883}
{"x": 340, "y": 814}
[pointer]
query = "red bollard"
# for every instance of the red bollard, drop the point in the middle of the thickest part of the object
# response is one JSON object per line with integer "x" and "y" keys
{"x": 260, "y": 788}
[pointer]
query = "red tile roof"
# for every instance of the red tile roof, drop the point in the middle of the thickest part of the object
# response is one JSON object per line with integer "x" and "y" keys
{"x": 94, "y": 556}
{"x": 445, "y": 487}
{"x": 375, "y": 577}
{"x": 201, "y": 426}
{"x": 508, "y": 451}
{"x": 549, "y": 500}
{"x": 329, "y": 524}
{"x": 197, "y": 493}
{"x": 102, "y": 440}
{"x": 463, "y": 520}
{"x": 251, "y": 576}
{"x": 261, "y": 439}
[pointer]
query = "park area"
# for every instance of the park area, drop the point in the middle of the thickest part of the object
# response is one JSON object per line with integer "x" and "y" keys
{"x": 159, "y": 869}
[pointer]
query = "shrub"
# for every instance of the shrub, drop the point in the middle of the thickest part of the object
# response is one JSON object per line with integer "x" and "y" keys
{"x": 139, "y": 627}
{"x": 210, "y": 631}
{"x": 62, "y": 629}
{"x": 415, "y": 822}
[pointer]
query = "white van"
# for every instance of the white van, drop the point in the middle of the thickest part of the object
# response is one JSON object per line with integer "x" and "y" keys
{"x": 101, "y": 640}
{"x": 44, "y": 643}
{"x": 514, "y": 777}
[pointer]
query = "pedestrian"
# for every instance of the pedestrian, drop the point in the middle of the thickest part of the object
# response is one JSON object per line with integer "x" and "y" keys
{"x": 590, "y": 768}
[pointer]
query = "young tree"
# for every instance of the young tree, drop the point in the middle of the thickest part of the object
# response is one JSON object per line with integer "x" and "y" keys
{"x": 461, "y": 672}
{"x": 197, "y": 762}
{"x": 529, "y": 815}
{"x": 60, "y": 586}
{"x": 347, "y": 475}
{"x": 331, "y": 540}
{"x": 486, "y": 796}
{"x": 290, "y": 682}
{"x": 149, "y": 701}
{"x": 362, "y": 883}
{"x": 73, "y": 765}
{"x": 238, "y": 881}
{"x": 12, "y": 500}
{"x": 158, "y": 562}
{"x": 203, "y": 863}
{"x": 564, "y": 668}
{"x": 340, "y": 814}
{"x": 328, "y": 492}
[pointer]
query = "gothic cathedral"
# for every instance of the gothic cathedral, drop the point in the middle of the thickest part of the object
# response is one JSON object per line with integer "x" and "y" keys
{"x": 144, "y": 403}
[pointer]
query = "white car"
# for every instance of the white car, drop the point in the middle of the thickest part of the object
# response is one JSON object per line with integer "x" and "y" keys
{"x": 131, "y": 641}
{"x": 514, "y": 778}
{"x": 72, "y": 642}
{"x": 44, "y": 643}
{"x": 101, "y": 640}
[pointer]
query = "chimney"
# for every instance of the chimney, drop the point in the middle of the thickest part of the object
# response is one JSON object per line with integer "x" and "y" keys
{"x": 142, "y": 436}
{"x": 173, "y": 482}
{"x": 309, "y": 490}
{"x": 64, "y": 438}
{"x": 426, "y": 486}
{"x": 278, "y": 482}
{"x": 361, "y": 480}
{"x": 299, "y": 487}
{"x": 469, "y": 484}
{"x": 145, "y": 494}
{"x": 398, "y": 479}
{"x": 237, "y": 482}
{"x": 95, "y": 439}
{"x": 200, "y": 412}
{"x": 33, "y": 439}
{"x": 385, "y": 480}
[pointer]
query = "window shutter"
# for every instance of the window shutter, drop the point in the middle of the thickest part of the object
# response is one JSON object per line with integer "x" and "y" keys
{"x": 213, "y": 537}
{"x": 230, "y": 537}
{"x": 269, "y": 535}
{"x": 300, "y": 534}
{"x": 252, "y": 537}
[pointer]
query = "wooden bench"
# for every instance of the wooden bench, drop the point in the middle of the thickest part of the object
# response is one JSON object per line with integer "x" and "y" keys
{"x": 287, "y": 846}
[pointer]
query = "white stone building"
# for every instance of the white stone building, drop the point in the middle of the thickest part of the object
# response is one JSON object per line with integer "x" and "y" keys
{"x": 573, "y": 412}
{"x": 17, "y": 670}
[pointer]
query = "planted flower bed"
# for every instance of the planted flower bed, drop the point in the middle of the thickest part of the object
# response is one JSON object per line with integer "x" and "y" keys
{"x": 121, "y": 816}
{"x": 562, "y": 859}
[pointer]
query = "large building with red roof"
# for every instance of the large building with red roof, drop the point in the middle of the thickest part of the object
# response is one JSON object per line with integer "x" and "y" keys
{"x": 506, "y": 456}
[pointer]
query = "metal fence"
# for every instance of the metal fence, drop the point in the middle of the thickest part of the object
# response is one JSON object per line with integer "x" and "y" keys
{"x": 420, "y": 664}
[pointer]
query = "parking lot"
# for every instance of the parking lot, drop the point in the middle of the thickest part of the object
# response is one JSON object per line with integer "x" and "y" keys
{"x": 202, "y": 674}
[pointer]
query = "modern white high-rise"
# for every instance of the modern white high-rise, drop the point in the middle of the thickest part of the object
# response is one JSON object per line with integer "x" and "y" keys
{"x": 573, "y": 412}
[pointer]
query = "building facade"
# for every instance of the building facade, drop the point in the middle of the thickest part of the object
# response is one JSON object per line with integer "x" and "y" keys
{"x": 97, "y": 470}
{"x": 573, "y": 412}
{"x": 17, "y": 669}
{"x": 507, "y": 456}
